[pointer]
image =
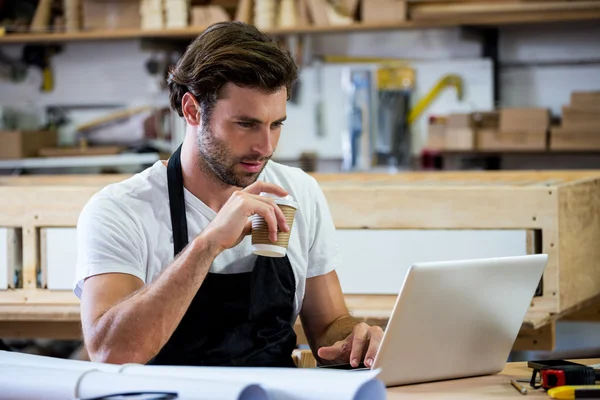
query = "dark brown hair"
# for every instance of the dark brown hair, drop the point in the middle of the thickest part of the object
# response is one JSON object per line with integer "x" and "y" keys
{"x": 229, "y": 52}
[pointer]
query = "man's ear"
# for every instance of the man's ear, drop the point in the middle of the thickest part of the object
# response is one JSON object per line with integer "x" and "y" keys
{"x": 191, "y": 109}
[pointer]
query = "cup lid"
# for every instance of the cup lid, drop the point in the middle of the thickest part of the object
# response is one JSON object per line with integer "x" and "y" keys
{"x": 286, "y": 201}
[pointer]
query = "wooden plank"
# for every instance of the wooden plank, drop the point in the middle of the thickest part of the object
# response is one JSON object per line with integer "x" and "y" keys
{"x": 40, "y": 312}
{"x": 587, "y": 314}
{"x": 192, "y": 32}
{"x": 26, "y": 205}
{"x": 97, "y": 181}
{"x": 573, "y": 117}
{"x": 467, "y": 177}
{"x": 30, "y": 256}
{"x": 585, "y": 99}
{"x": 41, "y": 330}
{"x": 421, "y": 11}
{"x": 15, "y": 254}
{"x": 575, "y": 141}
{"x": 5, "y": 250}
{"x": 38, "y": 297}
{"x": 460, "y": 208}
{"x": 579, "y": 249}
{"x": 538, "y": 339}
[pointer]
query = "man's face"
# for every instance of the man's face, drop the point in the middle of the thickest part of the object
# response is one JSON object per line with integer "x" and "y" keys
{"x": 242, "y": 133}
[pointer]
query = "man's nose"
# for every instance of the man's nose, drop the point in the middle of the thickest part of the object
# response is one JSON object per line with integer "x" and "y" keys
{"x": 263, "y": 143}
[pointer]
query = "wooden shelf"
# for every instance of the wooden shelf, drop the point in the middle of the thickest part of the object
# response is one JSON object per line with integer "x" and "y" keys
{"x": 494, "y": 19}
{"x": 492, "y": 153}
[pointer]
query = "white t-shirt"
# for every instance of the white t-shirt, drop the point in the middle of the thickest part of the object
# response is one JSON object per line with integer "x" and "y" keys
{"x": 126, "y": 227}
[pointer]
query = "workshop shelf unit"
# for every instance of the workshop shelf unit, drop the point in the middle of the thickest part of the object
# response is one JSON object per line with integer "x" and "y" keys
{"x": 420, "y": 14}
{"x": 559, "y": 210}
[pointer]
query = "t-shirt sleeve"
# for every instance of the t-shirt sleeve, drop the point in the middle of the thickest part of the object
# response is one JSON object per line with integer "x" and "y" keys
{"x": 324, "y": 253}
{"x": 108, "y": 240}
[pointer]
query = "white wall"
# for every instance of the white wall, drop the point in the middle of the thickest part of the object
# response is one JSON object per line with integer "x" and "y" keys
{"x": 113, "y": 72}
{"x": 561, "y": 57}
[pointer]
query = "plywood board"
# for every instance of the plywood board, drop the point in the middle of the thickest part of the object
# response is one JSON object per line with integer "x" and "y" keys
{"x": 375, "y": 261}
{"x": 579, "y": 246}
{"x": 59, "y": 257}
{"x": 41, "y": 330}
{"x": 4, "y": 262}
{"x": 543, "y": 338}
{"x": 11, "y": 260}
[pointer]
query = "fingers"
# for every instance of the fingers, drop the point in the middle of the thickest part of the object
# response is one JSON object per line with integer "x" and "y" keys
{"x": 376, "y": 335}
{"x": 281, "y": 221}
{"x": 261, "y": 186}
{"x": 268, "y": 212}
{"x": 247, "y": 228}
{"x": 333, "y": 352}
{"x": 359, "y": 341}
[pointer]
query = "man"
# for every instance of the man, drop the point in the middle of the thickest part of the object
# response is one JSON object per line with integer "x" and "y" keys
{"x": 166, "y": 274}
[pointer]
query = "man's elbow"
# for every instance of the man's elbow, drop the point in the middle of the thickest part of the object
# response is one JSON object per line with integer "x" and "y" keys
{"x": 127, "y": 354}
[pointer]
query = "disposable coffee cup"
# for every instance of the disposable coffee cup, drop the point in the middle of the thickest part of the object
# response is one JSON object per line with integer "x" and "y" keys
{"x": 261, "y": 244}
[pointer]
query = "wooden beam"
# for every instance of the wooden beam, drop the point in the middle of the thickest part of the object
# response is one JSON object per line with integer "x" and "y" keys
{"x": 579, "y": 245}
{"x": 536, "y": 339}
{"x": 41, "y": 330}
{"x": 426, "y": 21}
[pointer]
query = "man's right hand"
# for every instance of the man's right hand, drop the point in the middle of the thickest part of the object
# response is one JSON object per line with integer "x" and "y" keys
{"x": 231, "y": 224}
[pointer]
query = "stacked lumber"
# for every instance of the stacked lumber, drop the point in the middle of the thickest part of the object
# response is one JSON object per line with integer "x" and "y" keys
{"x": 104, "y": 15}
{"x": 580, "y": 126}
{"x": 507, "y": 129}
{"x": 273, "y": 14}
{"x": 152, "y": 14}
{"x": 420, "y": 10}
{"x": 72, "y": 14}
{"x": 177, "y": 13}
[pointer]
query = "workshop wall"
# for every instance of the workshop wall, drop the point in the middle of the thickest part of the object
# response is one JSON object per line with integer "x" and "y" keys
{"x": 541, "y": 66}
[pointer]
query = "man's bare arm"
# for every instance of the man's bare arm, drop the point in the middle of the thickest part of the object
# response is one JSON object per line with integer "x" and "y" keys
{"x": 333, "y": 334}
{"x": 324, "y": 315}
{"x": 126, "y": 322}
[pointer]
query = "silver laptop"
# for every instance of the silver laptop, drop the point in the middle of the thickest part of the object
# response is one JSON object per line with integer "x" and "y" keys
{"x": 457, "y": 319}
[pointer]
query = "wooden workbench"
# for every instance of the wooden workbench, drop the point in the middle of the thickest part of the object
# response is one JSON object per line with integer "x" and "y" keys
{"x": 495, "y": 387}
{"x": 559, "y": 210}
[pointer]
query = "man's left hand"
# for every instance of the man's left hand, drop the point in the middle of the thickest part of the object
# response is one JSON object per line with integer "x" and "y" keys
{"x": 361, "y": 344}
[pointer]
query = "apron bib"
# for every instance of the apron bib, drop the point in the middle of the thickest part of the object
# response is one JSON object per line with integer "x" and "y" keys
{"x": 242, "y": 319}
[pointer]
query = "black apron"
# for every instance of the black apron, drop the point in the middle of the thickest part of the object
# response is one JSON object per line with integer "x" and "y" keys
{"x": 242, "y": 319}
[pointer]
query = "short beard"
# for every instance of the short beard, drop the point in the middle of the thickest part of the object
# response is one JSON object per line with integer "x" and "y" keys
{"x": 217, "y": 162}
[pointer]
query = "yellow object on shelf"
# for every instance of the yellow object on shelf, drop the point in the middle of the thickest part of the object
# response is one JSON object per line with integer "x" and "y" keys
{"x": 395, "y": 78}
{"x": 446, "y": 81}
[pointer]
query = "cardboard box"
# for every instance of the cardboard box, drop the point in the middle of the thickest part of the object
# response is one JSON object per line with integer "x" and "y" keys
{"x": 111, "y": 14}
{"x": 565, "y": 139}
{"x": 460, "y": 132}
{"x": 436, "y": 134}
{"x": 383, "y": 11}
{"x": 581, "y": 118}
{"x": 25, "y": 144}
{"x": 490, "y": 139}
{"x": 208, "y": 15}
{"x": 524, "y": 120}
{"x": 585, "y": 99}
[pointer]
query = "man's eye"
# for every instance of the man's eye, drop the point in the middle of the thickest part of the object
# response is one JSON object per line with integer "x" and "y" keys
{"x": 277, "y": 125}
{"x": 246, "y": 124}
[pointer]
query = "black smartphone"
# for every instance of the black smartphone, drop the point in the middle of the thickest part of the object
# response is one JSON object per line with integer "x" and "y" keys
{"x": 540, "y": 364}
{"x": 348, "y": 366}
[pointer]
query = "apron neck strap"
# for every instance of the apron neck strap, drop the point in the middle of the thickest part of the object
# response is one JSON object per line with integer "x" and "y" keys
{"x": 177, "y": 202}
